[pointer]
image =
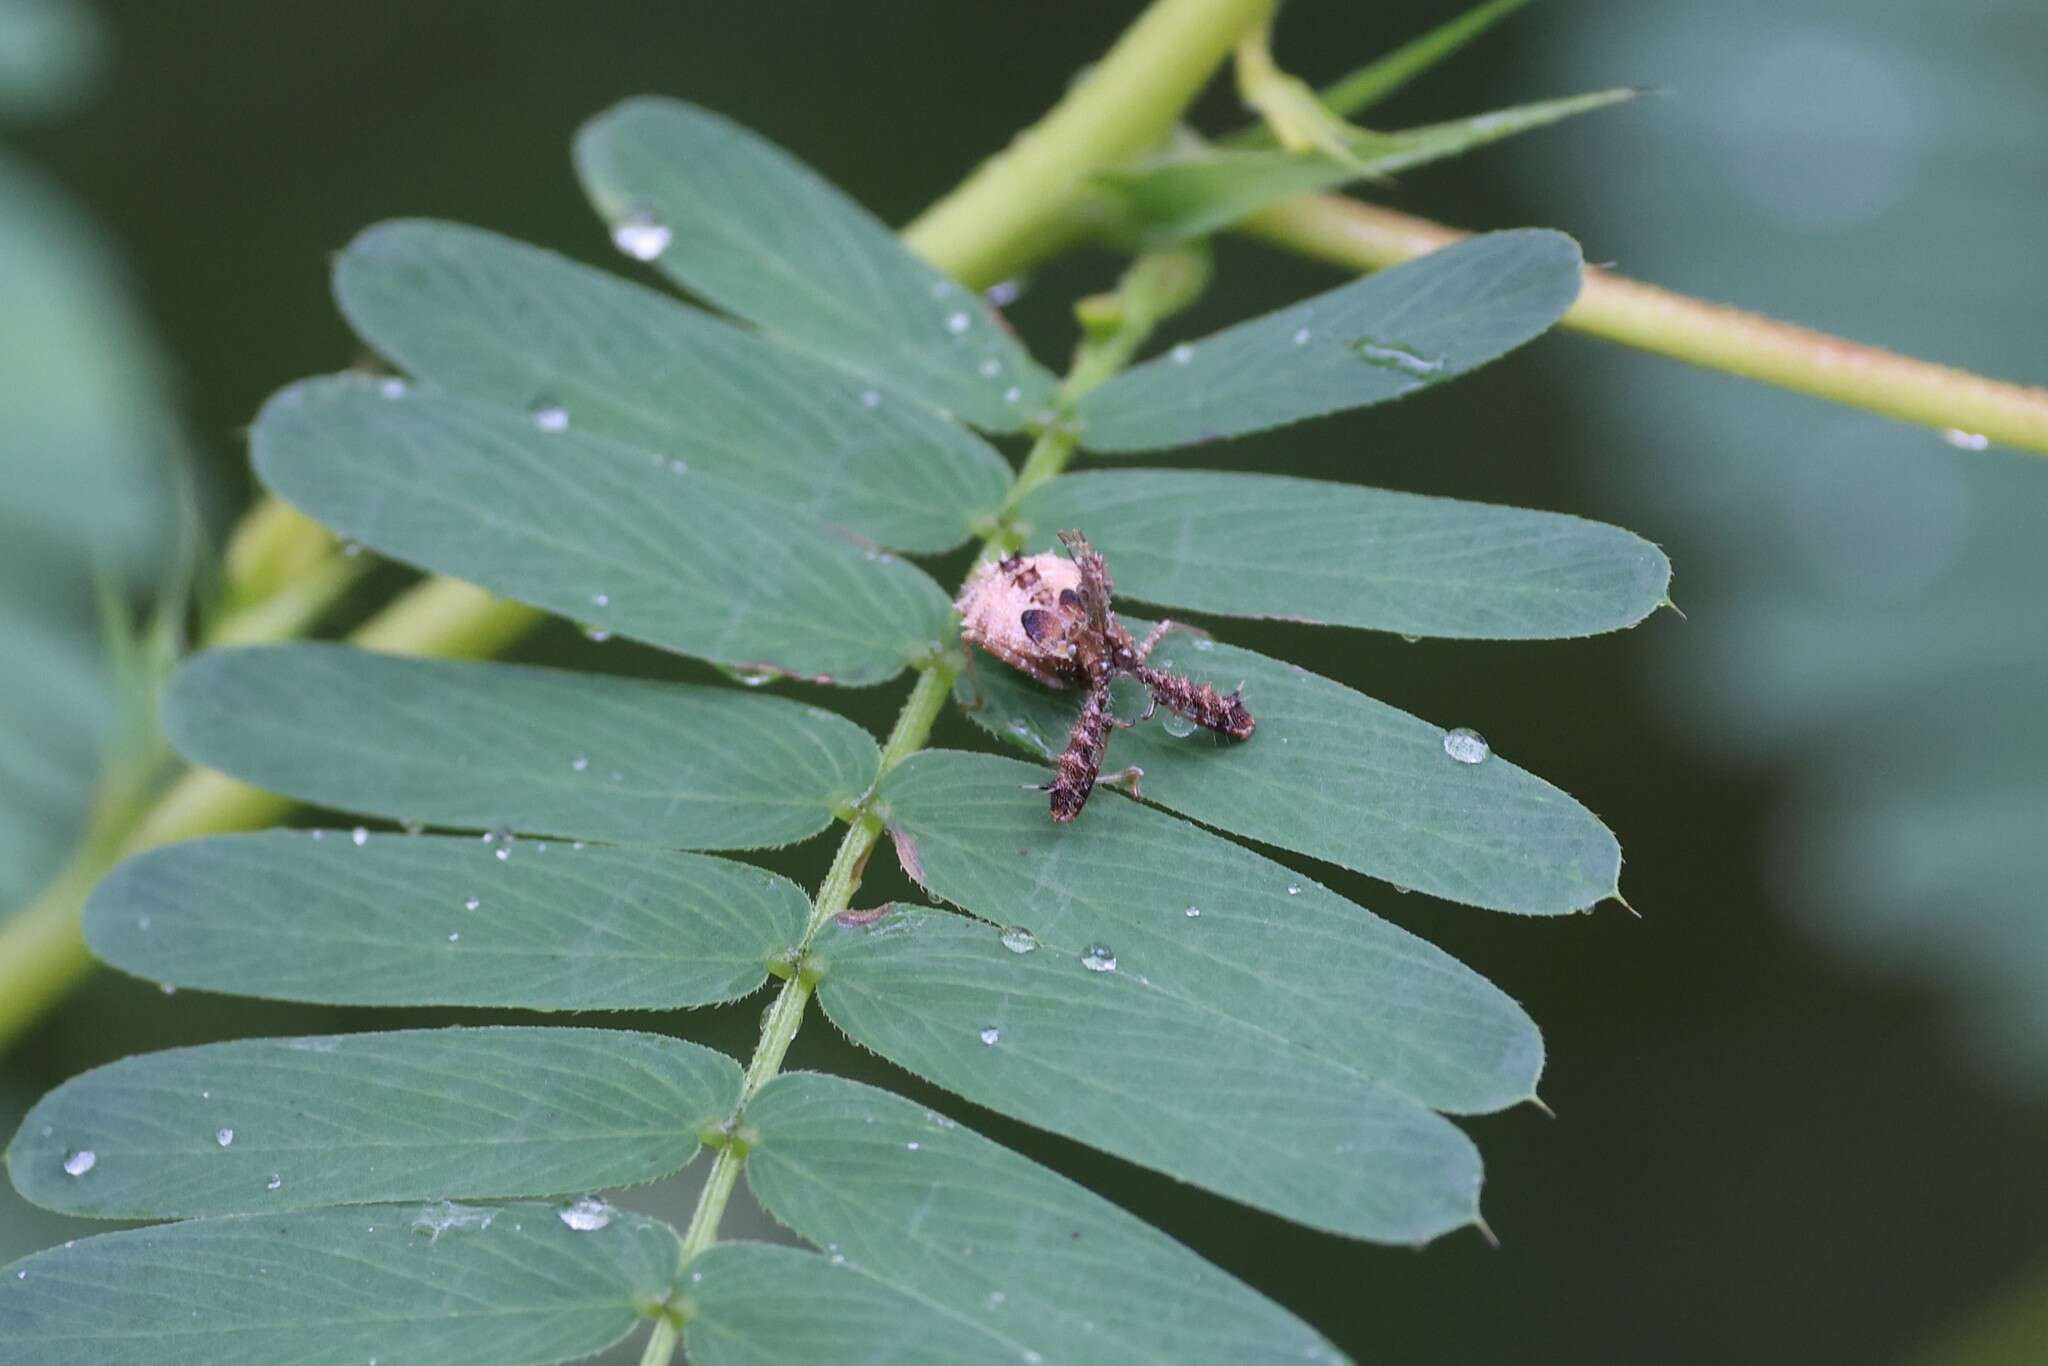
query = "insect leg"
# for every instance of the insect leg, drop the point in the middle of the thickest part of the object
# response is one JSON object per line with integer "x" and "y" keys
{"x": 1081, "y": 761}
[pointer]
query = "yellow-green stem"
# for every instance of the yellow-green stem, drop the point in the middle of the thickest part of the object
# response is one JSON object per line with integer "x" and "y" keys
{"x": 1154, "y": 287}
{"x": 1013, "y": 209}
{"x": 1362, "y": 236}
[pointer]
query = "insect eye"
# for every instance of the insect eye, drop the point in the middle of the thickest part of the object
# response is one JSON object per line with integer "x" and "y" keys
{"x": 1037, "y": 624}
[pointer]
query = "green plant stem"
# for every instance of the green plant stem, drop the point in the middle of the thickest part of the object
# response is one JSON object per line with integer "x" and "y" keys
{"x": 1115, "y": 326}
{"x": 1361, "y": 236}
{"x": 661, "y": 1343}
{"x": 1016, "y": 206}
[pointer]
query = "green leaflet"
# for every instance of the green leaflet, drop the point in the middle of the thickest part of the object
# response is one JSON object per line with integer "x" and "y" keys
{"x": 1382, "y": 76}
{"x": 483, "y": 315}
{"x": 1336, "y": 554}
{"x": 1336, "y": 775}
{"x": 312, "y": 916}
{"x": 1375, "y": 339}
{"x": 1094, "y": 1050}
{"x": 1215, "y": 926}
{"x": 1196, "y": 193}
{"x": 761, "y": 1305}
{"x": 594, "y": 529}
{"x": 738, "y": 221}
{"x": 87, "y": 459}
{"x": 501, "y": 746}
{"x": 450, "y": 1284}
{"x": 976, "y": 1232}
{"x": 272, "y": 1124}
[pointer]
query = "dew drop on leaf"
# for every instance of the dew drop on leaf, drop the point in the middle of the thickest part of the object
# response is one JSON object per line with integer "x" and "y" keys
{"x": 1178, "y": 726}
{"x": 990, "y": 1034}
{"x": 1388, "y": 356}
{"x": 224, "y": 1137}
{"x": 580, "y": 762}
{"x": 1301, "y": 338}
{"x": 81, "y": 1162}
{"x": 870, "y": 398}
{"x": 641, "y": 235}
{"x": 1099, "y": 958}
{"x": 392, "y": 387}
{"x": 957, "y": 323}
{"x": 276, "y": 1182}
{"x": 1192, "y": 912}
{"x": 989, "y": 368}
{"x": 359, "y": 837}
{"x": 549, "y": 416}
{"x": 586, "y": 1215}
{"x": 1466, "y": 745}
{"x": 1182, "y": 354}
{"x": 472, "y": 903}
{"x": 1017, "y": 939}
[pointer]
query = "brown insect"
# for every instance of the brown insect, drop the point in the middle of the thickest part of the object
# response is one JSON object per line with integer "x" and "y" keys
{"x": 1051, "y": 618}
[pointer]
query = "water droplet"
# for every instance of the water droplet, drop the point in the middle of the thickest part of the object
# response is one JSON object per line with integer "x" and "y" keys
{"x": 1003, "y": 293}
{"x": 1099, "y": 958}
{"x": 600, "y": 599}
{"x": 956, "y": 323}
{"x": 391, "y": 387}
{"x": 1202, "y": 644}
{"x": 549, "y": 417}
{"x": 1017, "y": 939}
{"x": 359, "y": 837}
{"x": 1301, "y": 337}
{"x": 351, "y": 549}
{"x": 678, "y": 467}
{"x": 580, "y": 762}
{"x": 1192, "y": 912}
{"x": 1013, "y": 395}
{"x": 748, "y": 678}
{"x": 586, "y": 1215}
{"x": 641, "y": 236}
{"x": 989, "y": 1034}
{"x": 166, "y": 988}
{"x": 1294, "y": 889}
{"x": 1178, "y": 726}
{"x": 455, "y": 937}
{"x": 319, "y": 834}
{"x": 206, "y": 1095}
{"x": 503, "y": 852}
{"x": 81, "y": 1162}
{"x": 1965, "y": 441}
{"x": 224, "y": 1137}
{"x": 472, "y": 903}
{"x": 990, "y": 368}
{"x": 913, "y": 1145}
{"x": 1466, "y": 745}
{"x": 870, "y": 398}
{"x": 1400, "y": 358}
{"x": 276, "y": 1182}
{"x": 1182, "y": 354}
{"x": 596, "y": 633}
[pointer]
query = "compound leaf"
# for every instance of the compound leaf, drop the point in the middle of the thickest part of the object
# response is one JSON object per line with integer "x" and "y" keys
{"x": 1417, "y": 324}
{"x": 481, "y": 314}
{"x": 1217, "y": 926}
{"x": 945, "y": 1216}
{"x": 430, "y": 920}
{"x": 270, "y": 1124}
{"x": 740, "y": 222}
{"x": 594, "y": 529}
{"x": 450, "y": 1284}
{"x": 760, "y": 1305}
{"x": 1192, "y": 194}
{"x": 1068, "y": 1036}
{"x": 502, "y": 746}
{"x": 1336, "y": 775}
{"x": 1251, "y": 545}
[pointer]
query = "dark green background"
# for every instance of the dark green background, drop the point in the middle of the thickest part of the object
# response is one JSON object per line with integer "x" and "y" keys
{"x": 1765, "y": 1149}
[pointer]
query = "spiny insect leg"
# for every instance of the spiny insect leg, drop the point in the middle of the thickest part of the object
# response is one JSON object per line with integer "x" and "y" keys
{"x": 1200, "y": 703}
{"x": 1096, "y": 587}
{"x": 1081, "y": 761}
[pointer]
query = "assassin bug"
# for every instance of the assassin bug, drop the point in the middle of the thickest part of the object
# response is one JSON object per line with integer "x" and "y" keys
{"x": 1049, "y": 616}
